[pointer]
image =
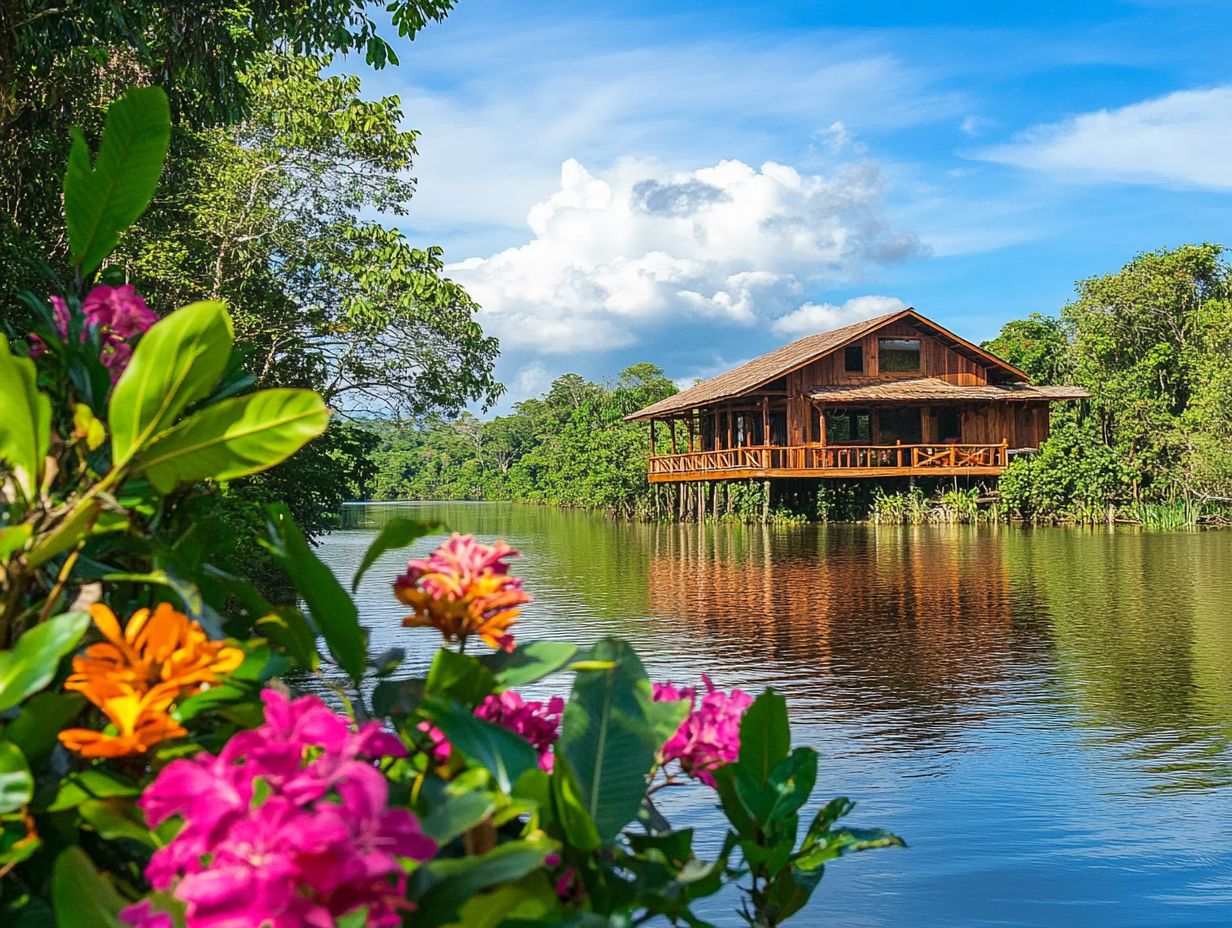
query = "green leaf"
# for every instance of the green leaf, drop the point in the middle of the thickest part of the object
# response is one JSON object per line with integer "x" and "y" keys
{"x": 289, "y": 630}
{"x": 456, "y": 815}
{"x": 396, "y": 533}
{"x": 13, "y": 538}
{"x": 42, "y": 717}
{"x": 459, "y": 677}
{"x": 461, "y": 878}
{"x": 611, "y": 730}
{"x": 25, "y": 426}
{"x": 103, "y": 199}
{"x": 16, "y": 783}
{"x": 91, "y": 783}
{"x": 765, "y": 737}
{"x": 116, "y": 818}
{"x": 529, "y": 901}
{"x": 332, "y": 610}
{"x": 833, "y": 844}
{"x": 83, "y": 897}
{"x": 177, "y": 362}
{"x": 30, "y": 666}
{"x": 792, "y": 782}
{"x": 575, "y": 819}
{"x": 528, "y": 663}
{"x": 68, "y": 533}
{"x": 234, "y": 438}
{"x": 504, "y": 754}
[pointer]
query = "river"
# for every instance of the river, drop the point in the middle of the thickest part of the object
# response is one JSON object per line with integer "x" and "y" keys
{"x": 1045, "y": 715}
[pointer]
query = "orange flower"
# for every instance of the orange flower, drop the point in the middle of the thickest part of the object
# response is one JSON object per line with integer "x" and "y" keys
{"x": 485, "y": 609}
{"x": 463, "y": 588}
{"x": 163, "y": 651}
{"x": 140, "y": 722}
{"x": 138, "y": 672}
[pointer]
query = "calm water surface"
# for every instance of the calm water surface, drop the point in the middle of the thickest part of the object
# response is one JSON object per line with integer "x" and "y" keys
{"x": 1045, "y": 715}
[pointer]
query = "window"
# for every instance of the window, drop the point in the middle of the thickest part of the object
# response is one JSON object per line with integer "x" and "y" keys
{"x": 853, "y": 359}
{"x": 843, "y": 427}
{"x": 949, "y": 423}
{"x": 899, "y": 354}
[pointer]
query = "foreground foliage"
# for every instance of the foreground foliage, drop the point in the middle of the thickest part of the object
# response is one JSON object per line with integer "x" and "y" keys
{"x": 156, "y": 769}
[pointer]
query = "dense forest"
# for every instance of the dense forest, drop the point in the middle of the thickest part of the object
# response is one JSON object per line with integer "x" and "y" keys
{"x": 1151, "y": 342}
{"x": 277, "y": 165}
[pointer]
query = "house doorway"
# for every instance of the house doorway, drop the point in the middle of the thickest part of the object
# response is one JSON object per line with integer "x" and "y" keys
{"x": 900, "y": 424}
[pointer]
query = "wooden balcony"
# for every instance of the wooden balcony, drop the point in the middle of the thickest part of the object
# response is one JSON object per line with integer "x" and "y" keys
{"x": 935, "y": 460}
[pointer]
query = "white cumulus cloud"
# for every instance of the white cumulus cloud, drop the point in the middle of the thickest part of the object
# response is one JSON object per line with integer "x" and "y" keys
{"x": 819, "y": 317}
{"x": 617, "y": 255}
{"x": 1178, "y": 140}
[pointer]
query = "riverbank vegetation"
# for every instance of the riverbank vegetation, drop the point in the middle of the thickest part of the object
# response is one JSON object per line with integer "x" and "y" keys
{"x": 1152, "y": 343}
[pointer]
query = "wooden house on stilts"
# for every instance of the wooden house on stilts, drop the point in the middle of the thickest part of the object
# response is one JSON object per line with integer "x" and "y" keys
{"x": 893, "y": 396}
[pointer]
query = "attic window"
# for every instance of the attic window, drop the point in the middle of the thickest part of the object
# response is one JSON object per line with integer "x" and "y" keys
{"x": 853, "y": 359}
{"x": 898, "y": 355}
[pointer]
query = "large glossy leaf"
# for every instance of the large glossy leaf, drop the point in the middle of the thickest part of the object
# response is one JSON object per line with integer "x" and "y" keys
{"x": 234, "y": 438}
{"x": 16, "y": 783}
{"x": 765, "y": 737}
{"x": 610, "y": 733}
{"x": 461, "y": 878}
{"x": 394, "y": 534}
{"x": 103, "y": 199}
{"x": 460, "y": 677}
{"x": 529, "y": 663}
{"x": 29, "y": 666}
{"x": 82, "y": 896}
{"x": 178, "y": 361}
{"x": 25, "y": 424}
{"x": 332, "y": 610}
{"x": 42, "y": 717}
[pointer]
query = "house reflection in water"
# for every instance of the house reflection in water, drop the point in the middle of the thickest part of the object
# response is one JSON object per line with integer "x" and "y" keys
{"x": 898, "y": 619}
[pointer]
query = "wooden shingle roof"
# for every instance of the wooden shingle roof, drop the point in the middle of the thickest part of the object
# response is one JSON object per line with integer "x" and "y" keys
{"x": 781, "y": 361}
{"x": 931, "y": 388}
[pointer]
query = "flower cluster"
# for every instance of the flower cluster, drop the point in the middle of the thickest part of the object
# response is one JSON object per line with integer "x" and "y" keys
{"x": 118, "y": 313}
{"x": 463, "y": 588}
{"x": 709, "y": 737}
{"x": 287, "y": 827}
{"x": 137, "y": 673}
{"x": 537, "y": 722}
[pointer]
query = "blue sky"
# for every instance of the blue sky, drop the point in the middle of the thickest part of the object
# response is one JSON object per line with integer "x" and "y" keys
{"x": 695, "y": 183}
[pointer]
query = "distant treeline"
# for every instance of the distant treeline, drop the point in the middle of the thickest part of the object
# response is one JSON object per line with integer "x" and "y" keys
{"x": 1152, "y": 343}
{"x": 569, "y": 447}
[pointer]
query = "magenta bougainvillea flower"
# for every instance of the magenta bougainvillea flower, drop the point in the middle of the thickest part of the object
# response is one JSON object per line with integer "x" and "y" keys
{"x": 709, "y": 737}
{"x": 537, "y": 722}
{"x": 462, "y": 589}
{"x": 287, "y": 826}
{"x": 118, "y": 313}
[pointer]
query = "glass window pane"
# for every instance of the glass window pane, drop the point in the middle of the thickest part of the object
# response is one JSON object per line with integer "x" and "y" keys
{"x": 853, "y": 358}
{"x": 899, "y": 354}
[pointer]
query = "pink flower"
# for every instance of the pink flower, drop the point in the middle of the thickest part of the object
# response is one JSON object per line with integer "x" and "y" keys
{"x": 288, "y": 825}
{"x": 118, "y": 313}
{"x": 537, "y": 722}
{"x": 709, "y": 737}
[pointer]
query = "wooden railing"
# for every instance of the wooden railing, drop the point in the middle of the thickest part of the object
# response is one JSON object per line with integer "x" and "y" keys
{"x": 922, "y": 457}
